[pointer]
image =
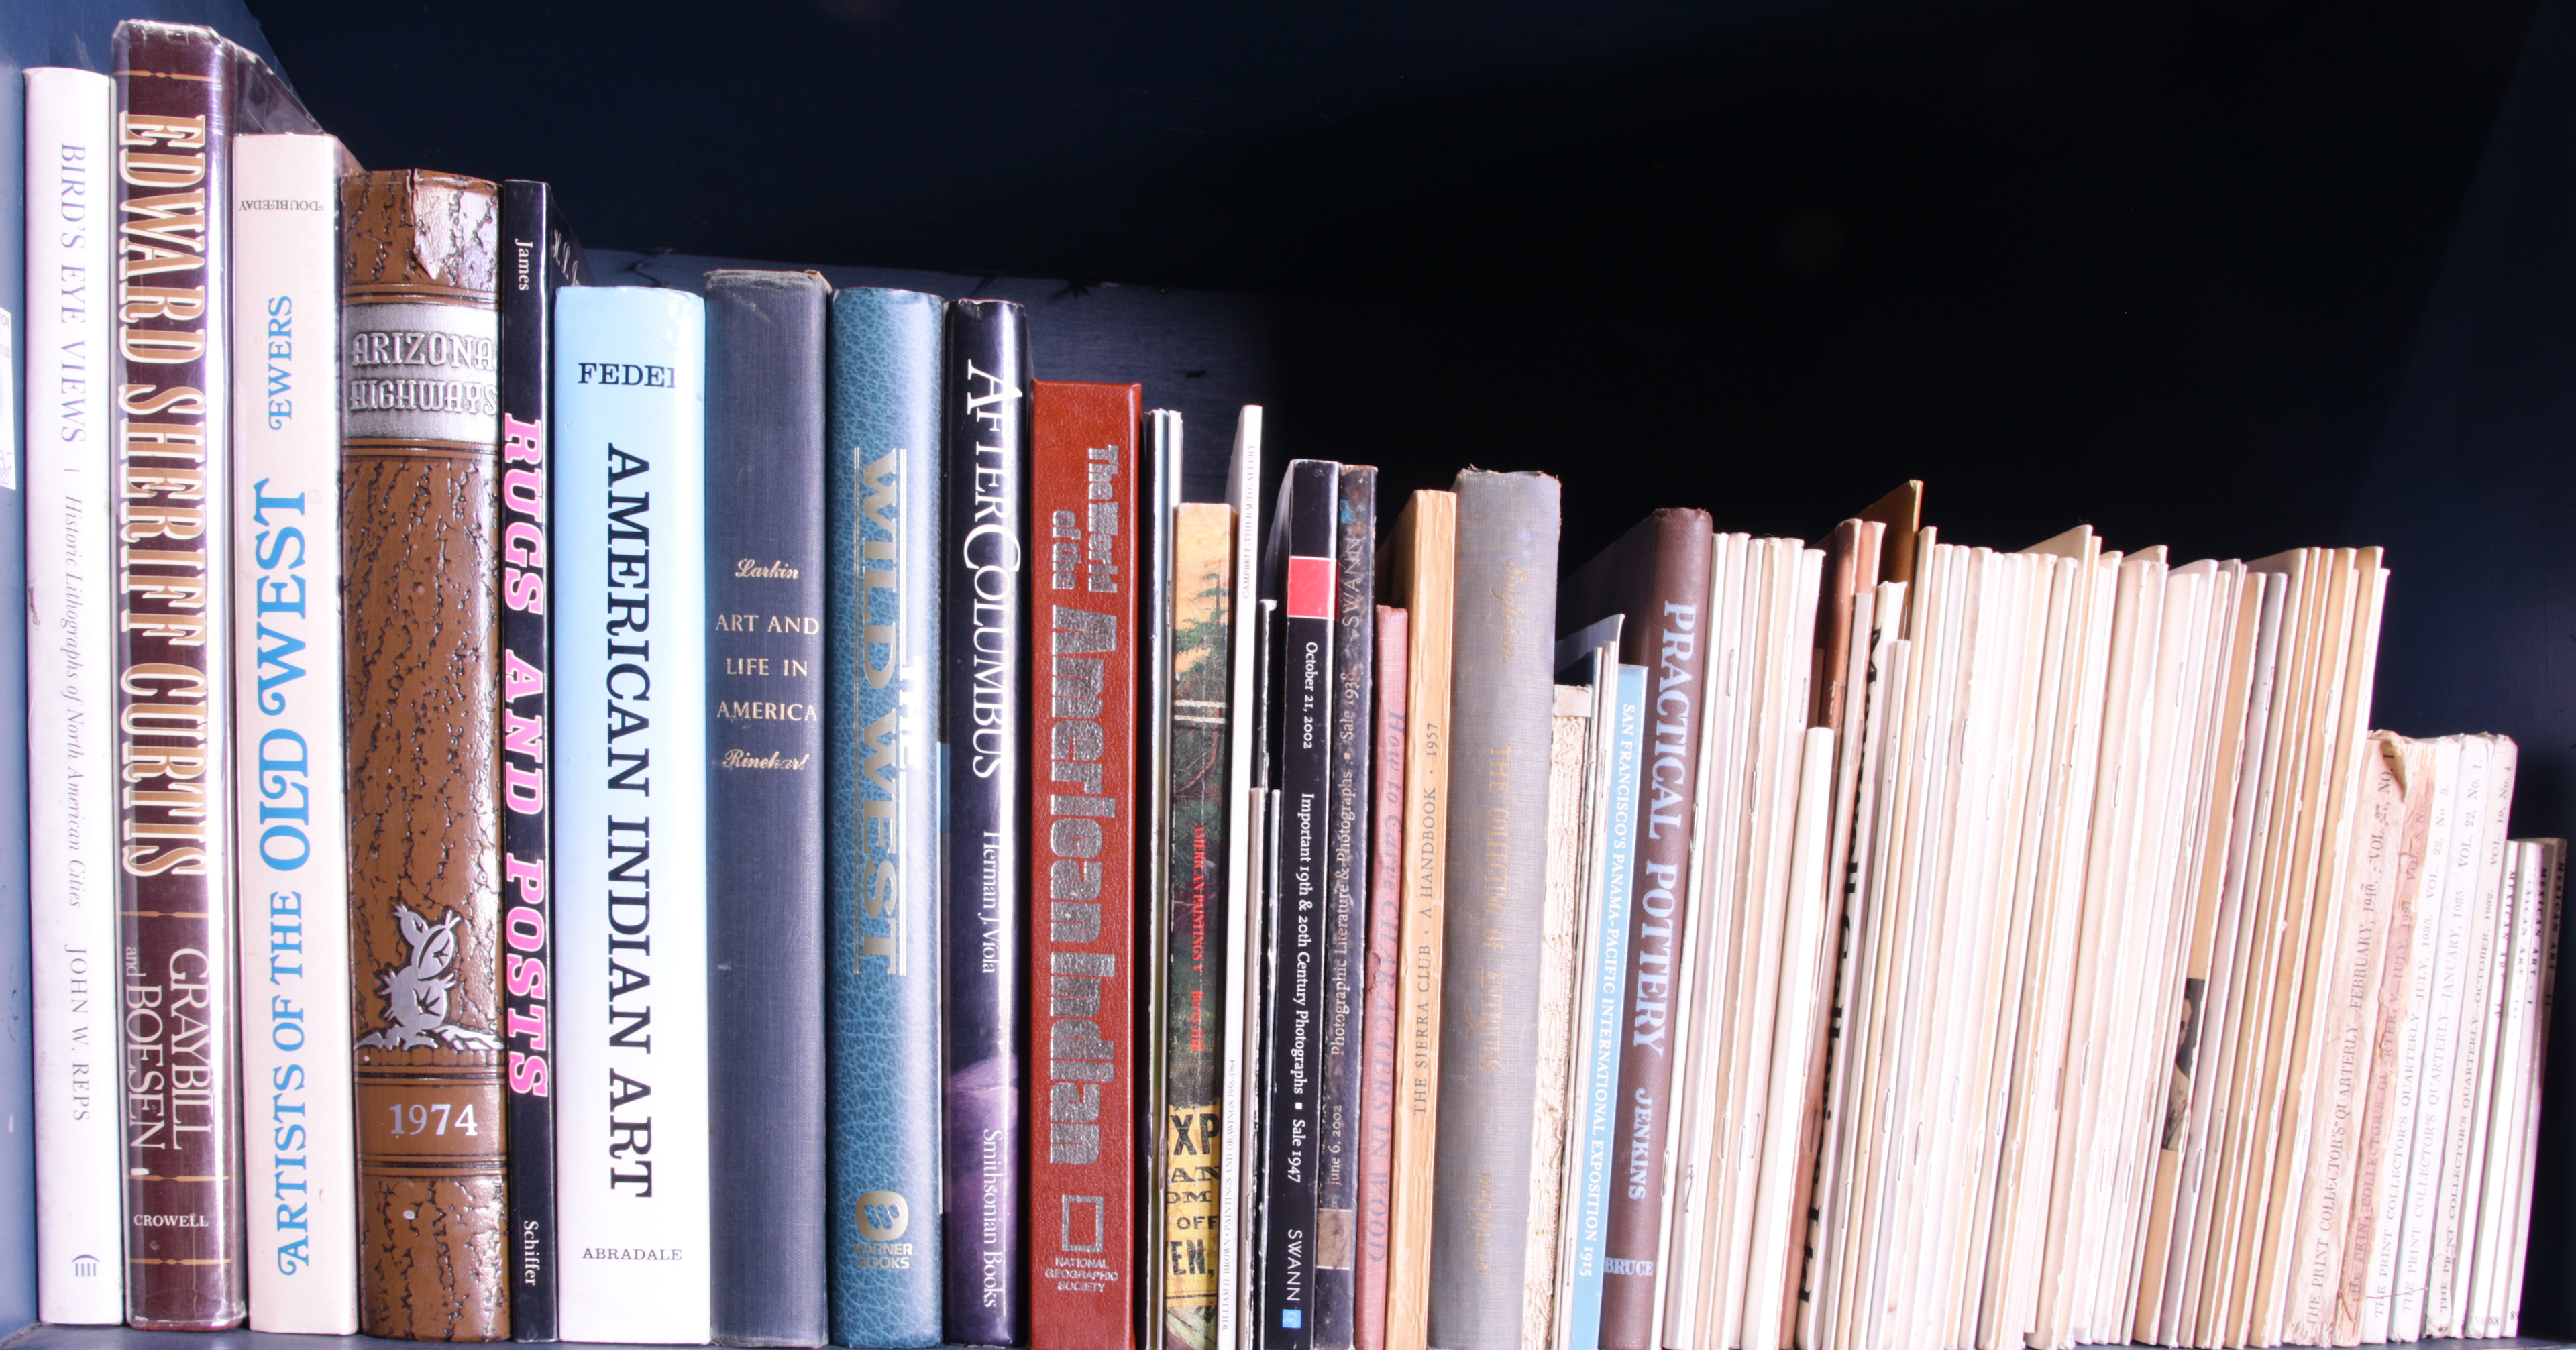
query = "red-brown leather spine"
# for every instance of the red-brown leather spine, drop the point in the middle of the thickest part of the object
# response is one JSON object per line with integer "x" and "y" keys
{"x": 419, "y": 501}
{"x": 1082, "y": 804}
{"x": 181, "y": 1090}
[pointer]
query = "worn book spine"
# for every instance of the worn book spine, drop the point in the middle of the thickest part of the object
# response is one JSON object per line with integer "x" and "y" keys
{"x": 181, "y": 1091}
{"x": 1569, "y": 810}
{"x": 1157, "y": 509}
{"x": 986, "y": 597}
{"x": 764, "y": 743}
{"x": 882, "y": 780}
{"x": 1298, "y": 570}
{"x": 1506, "y": 627}
{"x": 1194, "y": 919}
{"x": 1345, "y": 974}
{"x": 1658, "y": 576}
{"x": 300, "y": 1151}
{"x": 1418, "y": 569}
{"x": 71, "y": 682}
{"x": 631, "y": 1153}
{"x": 1592, "y": 1156}
{"x": 1385, "y": 977}
{"x": 1237, "y": 1066}
{"x": 1083, "y": 492}
{"x": 539, "y": 258}
{"x": 419, "y": 496}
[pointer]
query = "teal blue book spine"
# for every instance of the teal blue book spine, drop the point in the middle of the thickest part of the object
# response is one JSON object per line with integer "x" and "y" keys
{"x": 1594, "y": 1129}
{"x": 882, "y": 785}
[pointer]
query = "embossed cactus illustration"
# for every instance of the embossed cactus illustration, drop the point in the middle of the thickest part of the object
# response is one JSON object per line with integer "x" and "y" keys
{"x": 416, "y": 991}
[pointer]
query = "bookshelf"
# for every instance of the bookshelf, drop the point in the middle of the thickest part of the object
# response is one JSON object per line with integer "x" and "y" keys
{"x": 2227, "y": 280}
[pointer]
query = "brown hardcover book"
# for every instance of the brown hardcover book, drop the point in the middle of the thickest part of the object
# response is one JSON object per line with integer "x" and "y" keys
{"x": 1082, "y": 804}
{"x": 182, "y": 94}
{"x": 1385, "y": 974}
{"x": 1658, "y": 576}
{"x": 419, "y": 495}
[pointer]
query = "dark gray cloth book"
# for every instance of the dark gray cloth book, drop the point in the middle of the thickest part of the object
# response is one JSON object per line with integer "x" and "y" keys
{"x": 765, "y": 575}
{"x": 1503, "y": 696}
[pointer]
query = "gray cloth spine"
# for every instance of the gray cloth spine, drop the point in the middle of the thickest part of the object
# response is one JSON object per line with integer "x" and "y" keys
{"x": 1499, "y": 736}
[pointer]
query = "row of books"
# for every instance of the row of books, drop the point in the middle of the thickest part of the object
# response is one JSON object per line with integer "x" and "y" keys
{"x": 647, "y": 818}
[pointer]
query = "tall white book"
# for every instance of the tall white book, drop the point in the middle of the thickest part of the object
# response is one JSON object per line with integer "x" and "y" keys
{"x": 298, "y": 1136}
{"x": 71, "y": 615}
{"x": 630, "y": 838}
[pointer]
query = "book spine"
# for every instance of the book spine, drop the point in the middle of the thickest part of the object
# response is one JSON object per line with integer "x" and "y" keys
{"x": 541, "y": 260}
{"x": 1347, "y": 872}
{"x": 1385, "y": 976}
{"x": 1237, "y": 1066}
{"x": 181, "y": 1089}
{"x": 631, "y": 1152}
{"x": 1156, "y": 513}
{"x": 764, "y": 495}
{"x": 986, "y": 379}
{"x": 419, "y": 502}
{"x": 289, "y": 787}
{"x": 1082, "y": 812}
{"x": 1593, "y": 1130}
{"x": 1421, "y": 572}
{"x": 1506, "y": 625}
{"x": 1194, "y": 918}
{"x": 71, "y": 621}
{"x": 1569, "y": 811}
{"x": 882, "y": 779}
{"x": 1299, "y": 571}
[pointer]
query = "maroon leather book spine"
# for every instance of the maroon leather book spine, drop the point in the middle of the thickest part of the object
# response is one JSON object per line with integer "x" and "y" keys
{"x": 1385, "y": 972}
{"x": 1084, "y": 950}
{"x": 1657, "y": 575}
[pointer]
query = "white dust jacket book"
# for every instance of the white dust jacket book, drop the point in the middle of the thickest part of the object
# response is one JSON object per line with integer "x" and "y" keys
{"x": 630, "y": 833}
{"x": 298, "y": 1139}
{"x": 71, "y": 617}
{"x": 1243, "y": 479}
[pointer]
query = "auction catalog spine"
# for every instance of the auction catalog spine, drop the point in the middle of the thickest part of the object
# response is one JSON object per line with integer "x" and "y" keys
{"x": 71, "y": 681}
{"x": 631, "y": 788}
{"x": 290, "y": 788}
{"x": 1347, "y": 872}
{"x": 882, "y": 781}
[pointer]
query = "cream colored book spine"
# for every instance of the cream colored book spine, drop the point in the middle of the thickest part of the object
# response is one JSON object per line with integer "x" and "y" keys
{"x": 2461, "y": 1155}
{"x": 2554, "y": 867}
{"x": 2520, "y": 976}
{"x": 1569, "y": 815}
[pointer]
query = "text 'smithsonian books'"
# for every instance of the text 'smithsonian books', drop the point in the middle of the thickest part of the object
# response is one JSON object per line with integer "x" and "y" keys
{"x": 881, "y": 746}
{"x": 1506, "y": 615}
{"x": 419, "y": 502}
{"x": 71, "y": 683}
{"x": 1082, "y": 1160}
{"x": 1194, "y": 997}
{"x": 538, "y": 258}
{"x": 294, "y": 859}
{"x": 182, "y": 93}
{"x": 1298, "y": 569}
{"x": 630, "y": 838}
{"x": 765, "y": 803}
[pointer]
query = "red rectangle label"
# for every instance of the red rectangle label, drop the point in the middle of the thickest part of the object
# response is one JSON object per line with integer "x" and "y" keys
{"x": 1310, "y": 588}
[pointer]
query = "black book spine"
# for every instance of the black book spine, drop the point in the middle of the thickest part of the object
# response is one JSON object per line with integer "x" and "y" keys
{"x": 765, "y": 576}
{"x": 1347, "y": 874}
{"x": 539, "y": 258}
{"x": 985, "y": 711}
{"x": 1299, "y": 572}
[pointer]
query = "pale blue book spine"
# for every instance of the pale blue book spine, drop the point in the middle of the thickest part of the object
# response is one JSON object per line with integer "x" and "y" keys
{"x": 1595, "y": 1124}
{"x": 630, "y": 817}
{"x": 881, "y": 784}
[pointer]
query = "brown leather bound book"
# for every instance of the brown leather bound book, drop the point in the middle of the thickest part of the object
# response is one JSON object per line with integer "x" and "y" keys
{"x": 182, "y": 93}
{"x": 420, "y": 505}
{"x": 1657, "y": 575}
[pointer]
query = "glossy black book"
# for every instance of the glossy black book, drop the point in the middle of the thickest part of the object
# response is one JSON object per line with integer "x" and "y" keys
{"x": 984, "y": 707}
{"x": 1347, "y": 873}
{"x": 765, "y": 583}
{"x": 539, "y": 257}
{"x": 1298, "y": 571}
